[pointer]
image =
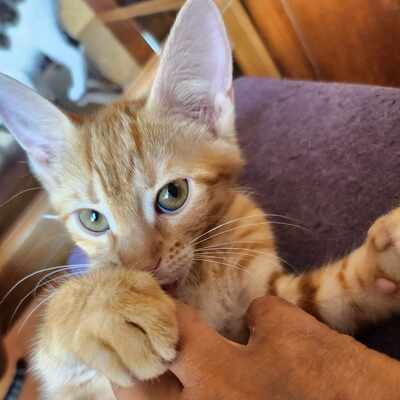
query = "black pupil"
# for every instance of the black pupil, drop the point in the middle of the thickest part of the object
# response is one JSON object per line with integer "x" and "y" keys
{"x": 173, "y": 190}
{"x": 94, "y": 216}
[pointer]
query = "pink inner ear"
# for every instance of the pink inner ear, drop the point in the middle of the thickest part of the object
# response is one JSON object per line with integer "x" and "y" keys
{"x": 196, "y": 64}
{"x": 36, "y": 124}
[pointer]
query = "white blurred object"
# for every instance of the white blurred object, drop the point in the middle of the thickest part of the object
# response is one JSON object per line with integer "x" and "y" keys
{"x": 37, "y": 34}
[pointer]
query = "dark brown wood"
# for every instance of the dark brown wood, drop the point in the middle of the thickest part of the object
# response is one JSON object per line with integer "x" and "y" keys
{"x": 159, "y": 24}
{"x": 32, "y": 243}
{"x": 17, "y": 189}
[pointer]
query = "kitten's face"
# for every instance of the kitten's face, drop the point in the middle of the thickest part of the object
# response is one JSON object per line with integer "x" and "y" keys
{"x": 138, "y": 185}
{"x": 138, "y": 190}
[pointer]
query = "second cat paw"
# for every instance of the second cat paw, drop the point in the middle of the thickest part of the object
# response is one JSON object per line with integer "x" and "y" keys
{"x": 115, "y": 321}
{"x": 384, "y": 236}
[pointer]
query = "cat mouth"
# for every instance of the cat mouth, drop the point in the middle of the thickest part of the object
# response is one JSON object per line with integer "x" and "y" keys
{"x": 171, "y": 288}
{"x": 172, "y": 276}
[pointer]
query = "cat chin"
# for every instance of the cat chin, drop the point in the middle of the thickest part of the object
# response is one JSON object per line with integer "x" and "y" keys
{"x": 171, "y": 288}
{"x": 173, "y": 279}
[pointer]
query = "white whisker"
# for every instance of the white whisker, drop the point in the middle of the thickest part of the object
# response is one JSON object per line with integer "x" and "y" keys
{"x": 227, "y": 256}
{"x": 33, "y": 292}
{"x": 230, "y": 230}
{"x": 303, "y": 228}
{"x": 262, "y": 215}
{"x": 226, "y": 249}
{"x": 241, "y": 242}
{"x": 224, "y": 224}
{"x": 211, "y": 260}
{"x": 19, "y": 194}
{"x": 226, "y": 6}
{"x": 40, "y": 271}
{"x": 46, "y": 299}
{"x": 73, "y": 267}
{"x": 241, "y": 251}
{"x": 245, "y": 226}
{"x": 292, "y": 267}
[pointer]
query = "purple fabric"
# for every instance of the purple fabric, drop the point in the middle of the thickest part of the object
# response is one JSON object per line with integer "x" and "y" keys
{"x": 77, "y": 259}
{"x": 327, "y": 156}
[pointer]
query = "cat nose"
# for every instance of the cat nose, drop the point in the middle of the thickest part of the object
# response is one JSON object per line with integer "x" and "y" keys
{"x": 132, "y": 259}
{"x": 145, "y": 257}
{"x": 127, "y": 258}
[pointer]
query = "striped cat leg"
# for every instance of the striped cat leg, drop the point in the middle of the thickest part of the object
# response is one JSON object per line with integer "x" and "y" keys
{"x": 360, "y": 288}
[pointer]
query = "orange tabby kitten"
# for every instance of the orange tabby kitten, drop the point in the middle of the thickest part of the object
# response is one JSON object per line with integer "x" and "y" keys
{"x": 148, "y": 191}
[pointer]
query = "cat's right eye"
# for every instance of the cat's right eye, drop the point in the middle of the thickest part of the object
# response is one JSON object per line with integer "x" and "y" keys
{"x": 93, "y": 221}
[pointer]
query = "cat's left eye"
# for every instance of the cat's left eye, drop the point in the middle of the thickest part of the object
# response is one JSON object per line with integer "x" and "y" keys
{"x": 173, "y": 196}
{"x": 93, "y": 221}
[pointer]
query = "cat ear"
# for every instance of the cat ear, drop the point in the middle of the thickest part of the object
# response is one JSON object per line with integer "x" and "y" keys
{"x": 195, "y": 73}
{"x": 37, "y": 125}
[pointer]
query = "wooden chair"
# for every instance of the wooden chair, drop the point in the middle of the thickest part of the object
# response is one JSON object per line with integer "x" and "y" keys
{"x": 250, "y": 52}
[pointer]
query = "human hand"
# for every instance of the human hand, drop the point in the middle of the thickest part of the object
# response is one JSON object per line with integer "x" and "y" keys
{"x": 290, "y": 356}
{"x": 3, "y": 359}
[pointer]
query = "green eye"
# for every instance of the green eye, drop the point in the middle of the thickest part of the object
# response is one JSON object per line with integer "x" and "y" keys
{"x": 93, "y": 221}
{"x": 172, "y": 196}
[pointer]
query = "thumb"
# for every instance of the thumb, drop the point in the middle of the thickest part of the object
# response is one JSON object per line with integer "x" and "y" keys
{"x": 200, "y": 345}
{"x": 3, "y": 358}
{"x": 265, "y": 315}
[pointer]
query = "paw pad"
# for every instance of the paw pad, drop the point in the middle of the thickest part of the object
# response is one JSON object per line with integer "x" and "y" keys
{"x": 385, "y": 286}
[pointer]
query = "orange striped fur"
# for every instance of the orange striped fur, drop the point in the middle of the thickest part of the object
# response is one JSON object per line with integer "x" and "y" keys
{"x": 217, "y": 252}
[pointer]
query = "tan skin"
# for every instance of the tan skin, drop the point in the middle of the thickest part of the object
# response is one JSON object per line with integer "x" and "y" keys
{"x": 290, "y": 356}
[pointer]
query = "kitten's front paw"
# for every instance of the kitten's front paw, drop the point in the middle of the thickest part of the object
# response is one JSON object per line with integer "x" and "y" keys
{"x": 384, "y": 237}
{"x": 117, "y": 322}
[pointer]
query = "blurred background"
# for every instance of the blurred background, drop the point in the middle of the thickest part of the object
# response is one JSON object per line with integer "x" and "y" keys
{"x": 82, "y": 54}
